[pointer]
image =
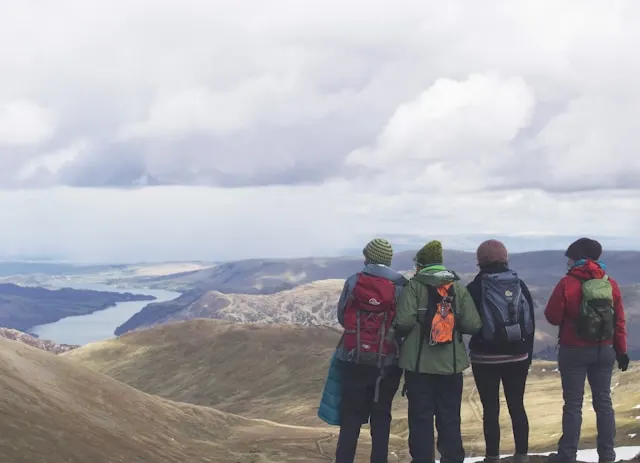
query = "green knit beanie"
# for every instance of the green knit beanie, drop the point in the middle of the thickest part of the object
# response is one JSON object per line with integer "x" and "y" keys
{"x": 378, "y": 251}
{"x": 431, "y": 253}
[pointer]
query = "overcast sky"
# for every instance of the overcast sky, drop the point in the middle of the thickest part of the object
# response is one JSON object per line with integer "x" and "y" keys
{"x": 215, "y": 129}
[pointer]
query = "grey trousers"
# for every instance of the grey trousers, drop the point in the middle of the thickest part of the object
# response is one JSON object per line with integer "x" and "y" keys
{"x": 596, "y": 365}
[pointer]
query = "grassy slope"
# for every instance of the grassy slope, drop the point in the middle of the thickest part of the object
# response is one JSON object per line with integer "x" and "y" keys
{"x": 278, "y": 372}
{"x": 57, "y": 411}
{"x": 257, "y": 371}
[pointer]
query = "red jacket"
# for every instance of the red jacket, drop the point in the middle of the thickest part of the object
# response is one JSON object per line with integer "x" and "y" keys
{"x": 564, "y": 304}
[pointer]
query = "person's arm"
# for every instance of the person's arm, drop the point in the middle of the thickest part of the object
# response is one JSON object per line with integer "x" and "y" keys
{"x": 620, "y": 332}
{"x": 344, "y": 296}
{"x": 531, "y": 340}
{"x": 554, "y": 311}
{"x": 406, "y": 310}
{"x": 469, "y": 321}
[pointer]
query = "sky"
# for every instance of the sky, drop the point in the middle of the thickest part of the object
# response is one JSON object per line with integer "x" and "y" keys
{"x": 212, "y": 130}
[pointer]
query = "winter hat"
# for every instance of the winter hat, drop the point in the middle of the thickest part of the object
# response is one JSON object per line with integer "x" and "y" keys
{"x": 431, "y": 253}
{"x": 378, "y": 251}
{"x": 492, "y": 252}
{"x": 584, "y": 248}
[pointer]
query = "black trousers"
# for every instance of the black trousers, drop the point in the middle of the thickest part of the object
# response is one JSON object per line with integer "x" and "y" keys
{"x": 440, "y": 396}
{"x": 358, "y": 407}
{"x": 513, "y": 377}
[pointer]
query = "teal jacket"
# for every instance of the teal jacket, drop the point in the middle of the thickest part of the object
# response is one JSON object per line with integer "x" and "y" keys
{"x": 439, "y": 359}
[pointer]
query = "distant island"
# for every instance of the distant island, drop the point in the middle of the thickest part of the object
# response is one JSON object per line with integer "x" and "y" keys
{"x": 23, "y": 307}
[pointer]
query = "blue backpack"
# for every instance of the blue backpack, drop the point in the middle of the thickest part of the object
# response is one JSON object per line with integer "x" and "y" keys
{"x": 505, "y": 312}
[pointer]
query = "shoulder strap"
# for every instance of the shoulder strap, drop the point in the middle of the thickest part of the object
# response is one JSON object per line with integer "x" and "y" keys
{"x": 425, "y": 323}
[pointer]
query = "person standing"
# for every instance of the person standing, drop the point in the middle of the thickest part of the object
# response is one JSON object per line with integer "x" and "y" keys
{"x": 434, "y": 311}
{"x": 368, "y": 352}
{"x": 587, "y": 306}
{"x": 502, "y": 351}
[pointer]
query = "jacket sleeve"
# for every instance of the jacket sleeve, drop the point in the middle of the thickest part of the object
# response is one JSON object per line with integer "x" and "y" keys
{"x": 527, "y": 295}
{"x": 554, "y": 311}
{"x": 620, "y": 333}
{"x": 469, "y": 320}
{"x": 407, "y": 310}
{"x": 344, "y": 296}
{"x": 399, "y": 287}
{"x": 474, "y": 291}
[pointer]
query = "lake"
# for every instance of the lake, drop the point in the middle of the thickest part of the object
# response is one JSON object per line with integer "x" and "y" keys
{"x": 100, "y": 325}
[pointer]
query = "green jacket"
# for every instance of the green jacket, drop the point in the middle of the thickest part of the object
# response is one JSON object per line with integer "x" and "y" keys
{"x": 440, "y": 359}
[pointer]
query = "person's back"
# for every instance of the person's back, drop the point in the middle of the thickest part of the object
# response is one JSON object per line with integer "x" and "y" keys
{"x": 501, "y": 352}
{"x": 368, "y": 352}
{"x": 587, "y": 306}
{"x": 434, "y": 311}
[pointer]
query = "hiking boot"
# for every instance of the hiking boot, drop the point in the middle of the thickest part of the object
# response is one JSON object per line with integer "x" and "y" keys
{"x": 521, "y": 458}
{"x": 491, "y": 460}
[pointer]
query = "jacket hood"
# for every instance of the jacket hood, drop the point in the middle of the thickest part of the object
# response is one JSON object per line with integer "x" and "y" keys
{"x": 436, "y": 275}
{"x": 587, "y": 270}
{"x": 383, "y": 271}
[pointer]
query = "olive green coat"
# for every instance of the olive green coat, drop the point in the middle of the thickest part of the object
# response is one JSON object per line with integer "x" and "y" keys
{"x": 443, "y": 359}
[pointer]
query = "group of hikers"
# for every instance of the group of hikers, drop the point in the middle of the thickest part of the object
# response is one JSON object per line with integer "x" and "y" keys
{"x": 395, "y": 326}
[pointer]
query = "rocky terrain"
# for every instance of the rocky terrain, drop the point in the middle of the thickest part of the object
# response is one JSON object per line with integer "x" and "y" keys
{"x": 308, "y": 304}
{"x": 22, "y": 307}
{"x": 43, "y": 344}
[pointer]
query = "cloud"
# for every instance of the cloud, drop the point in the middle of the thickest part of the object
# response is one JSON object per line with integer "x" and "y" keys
{"x": 242, "y": 94}
{"x": 204, "y": 223}
{"x": 455, "y": 117}
{"x": 454, "y": 135}
{"x": 23, "y": 123}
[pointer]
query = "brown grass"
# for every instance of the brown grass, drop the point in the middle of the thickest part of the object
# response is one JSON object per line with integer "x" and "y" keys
{"x": 278, "y": 371}
{"x": 256, "y": 371}
{"x": 54, "y": 410}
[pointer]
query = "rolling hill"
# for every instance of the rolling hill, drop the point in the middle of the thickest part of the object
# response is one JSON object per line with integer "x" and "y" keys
{"x": 279, "y": 371}
{"x": 55, "y": 410}
{"x": 256, "y": 371}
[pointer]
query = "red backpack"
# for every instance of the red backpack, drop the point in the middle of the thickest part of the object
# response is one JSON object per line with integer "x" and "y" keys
{"x": 368, "y": 315}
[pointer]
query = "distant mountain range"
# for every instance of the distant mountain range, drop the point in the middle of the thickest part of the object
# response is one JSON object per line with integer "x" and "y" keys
{"x": 305, "y": 291}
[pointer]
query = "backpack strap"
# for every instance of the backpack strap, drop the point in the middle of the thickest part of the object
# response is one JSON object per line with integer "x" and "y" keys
{"x": 425, "y": 323}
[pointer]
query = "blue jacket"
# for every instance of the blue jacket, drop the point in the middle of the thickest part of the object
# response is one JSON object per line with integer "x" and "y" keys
{"x": 376, "y": 270}
{"x": 329, "y": 410}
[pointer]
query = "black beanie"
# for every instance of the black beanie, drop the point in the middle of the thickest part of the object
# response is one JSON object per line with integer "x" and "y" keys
{"x": 584, "y": 248}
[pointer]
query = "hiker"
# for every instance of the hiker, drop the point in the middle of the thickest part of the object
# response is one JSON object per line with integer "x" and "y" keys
{"x": 587, "y": 306}
{"x": 368, "y": 352}
{"x": 434, "y": 311}
{"x": 502, "y": 350}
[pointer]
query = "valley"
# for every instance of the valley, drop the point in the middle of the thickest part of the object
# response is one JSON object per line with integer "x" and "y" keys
{"x": 23, "y": 307}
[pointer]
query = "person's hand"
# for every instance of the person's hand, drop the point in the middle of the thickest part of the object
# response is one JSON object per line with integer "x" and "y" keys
{"x": 623, "y": 361}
